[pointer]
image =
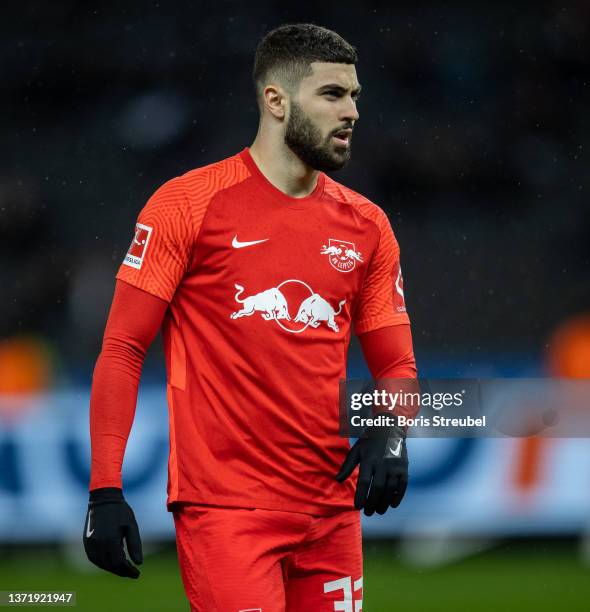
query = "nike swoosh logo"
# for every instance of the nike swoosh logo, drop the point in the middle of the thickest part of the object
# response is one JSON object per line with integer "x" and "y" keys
{"x": 397, "y": 451}
{"x": 88, "y": 531}
{"x": 240, "y": 245}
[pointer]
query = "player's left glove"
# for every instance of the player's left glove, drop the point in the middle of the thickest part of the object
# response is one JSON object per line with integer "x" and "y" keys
{"x": 383, "y": 469}
{"x": 109, "y": 520}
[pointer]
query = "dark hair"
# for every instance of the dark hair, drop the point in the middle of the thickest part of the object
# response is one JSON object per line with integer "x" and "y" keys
{"x": 287, "y": 52}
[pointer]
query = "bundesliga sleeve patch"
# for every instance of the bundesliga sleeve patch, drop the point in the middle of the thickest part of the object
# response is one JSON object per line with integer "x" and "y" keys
{"x": 138, "y": 247}
{"x": 398, "y": 296}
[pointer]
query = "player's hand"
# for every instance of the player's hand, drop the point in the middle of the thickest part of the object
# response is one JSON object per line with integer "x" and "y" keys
{"x": 109, "y": 520}
{"x": 383, "y": 471}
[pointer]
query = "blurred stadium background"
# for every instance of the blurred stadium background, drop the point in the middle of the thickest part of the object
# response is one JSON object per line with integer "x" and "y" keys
{"x": 474, "y": 136}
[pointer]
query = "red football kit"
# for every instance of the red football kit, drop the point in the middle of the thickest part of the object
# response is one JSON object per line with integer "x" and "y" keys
{"x": 259, "y": 294}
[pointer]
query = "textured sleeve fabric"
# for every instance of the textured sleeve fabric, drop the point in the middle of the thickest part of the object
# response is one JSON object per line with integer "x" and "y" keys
{"x": 389, "y": 353}
{"x": 390, "y": 357}
{"x": 161, "y": 248}
{"x": 381, "y": 303}
{"x": 133, "y": 322}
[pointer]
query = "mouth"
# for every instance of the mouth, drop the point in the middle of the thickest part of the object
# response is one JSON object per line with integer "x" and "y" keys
{"x": 343, "y": 137}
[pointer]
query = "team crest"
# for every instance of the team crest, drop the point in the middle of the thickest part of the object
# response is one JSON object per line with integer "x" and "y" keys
{"x": 342, "y": 255}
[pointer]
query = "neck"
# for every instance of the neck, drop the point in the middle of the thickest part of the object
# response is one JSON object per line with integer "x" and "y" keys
{"x": 282, "y": 167}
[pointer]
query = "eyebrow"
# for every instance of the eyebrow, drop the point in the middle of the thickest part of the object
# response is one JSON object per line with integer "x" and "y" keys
{"x": 354, "y": 92}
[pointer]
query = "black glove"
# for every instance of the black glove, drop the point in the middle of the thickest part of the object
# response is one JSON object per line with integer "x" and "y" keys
{"x": 110, "y": 519}
{"x": 383, "y": 460}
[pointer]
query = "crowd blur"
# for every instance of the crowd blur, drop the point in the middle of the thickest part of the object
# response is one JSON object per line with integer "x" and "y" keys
{"x": 473, "y": 136}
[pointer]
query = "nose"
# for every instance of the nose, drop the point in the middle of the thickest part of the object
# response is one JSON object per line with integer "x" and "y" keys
{"x": 350, "y": 112}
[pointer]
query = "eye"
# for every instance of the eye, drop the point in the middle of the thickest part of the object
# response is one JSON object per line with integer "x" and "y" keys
{"x": 332, "y": 95}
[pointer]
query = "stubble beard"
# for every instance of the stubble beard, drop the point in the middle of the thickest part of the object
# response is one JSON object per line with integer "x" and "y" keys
{"x": 304, "y": 138}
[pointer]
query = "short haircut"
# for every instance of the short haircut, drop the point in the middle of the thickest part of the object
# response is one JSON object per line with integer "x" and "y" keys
{"x": 286, "y": 53}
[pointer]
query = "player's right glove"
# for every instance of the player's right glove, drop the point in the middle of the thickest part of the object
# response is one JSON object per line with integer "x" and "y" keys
{"x": 383, "y": 469}
{"x": 109, "y": 521}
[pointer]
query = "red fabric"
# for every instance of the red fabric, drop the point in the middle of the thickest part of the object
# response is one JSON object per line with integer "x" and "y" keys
{"x": 251, "y": 560}
{"x": 264, "y": 292}
{"x": 390, "y": 357}
{"x": 388, "y": 352}
{"x": 133, "y": 322}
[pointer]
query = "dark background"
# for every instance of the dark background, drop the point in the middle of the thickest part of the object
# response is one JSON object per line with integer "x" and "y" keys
{"x": 473, "y": 136}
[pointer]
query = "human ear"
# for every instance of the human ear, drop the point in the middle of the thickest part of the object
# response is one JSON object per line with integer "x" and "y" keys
{"x": 275, "y": 100}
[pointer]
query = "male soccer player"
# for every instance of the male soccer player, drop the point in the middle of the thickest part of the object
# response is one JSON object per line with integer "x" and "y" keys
{"x": 258, "y": 268}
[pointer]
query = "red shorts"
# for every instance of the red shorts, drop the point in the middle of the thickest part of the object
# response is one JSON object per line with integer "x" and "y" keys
{"x": 241, "y": 560}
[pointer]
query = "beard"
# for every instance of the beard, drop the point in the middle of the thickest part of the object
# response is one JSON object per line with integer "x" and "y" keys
{"x": 304, "y": 138}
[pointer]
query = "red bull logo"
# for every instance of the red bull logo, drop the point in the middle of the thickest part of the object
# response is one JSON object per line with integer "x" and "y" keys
{"x": 272, "y": 305}
{"x": 315, "y": 309}
{"x": 341, "y": 254}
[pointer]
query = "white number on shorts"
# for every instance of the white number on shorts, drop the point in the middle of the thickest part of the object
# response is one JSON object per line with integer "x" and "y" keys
{"x": 345, "y": 584}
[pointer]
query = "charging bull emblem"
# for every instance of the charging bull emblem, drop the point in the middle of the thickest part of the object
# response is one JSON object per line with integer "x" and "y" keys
{"x": 315, "y": 309}
{"x": 342, "y": 254}
{"x": 272, "y": 306}
{"x": 270, "y": 303}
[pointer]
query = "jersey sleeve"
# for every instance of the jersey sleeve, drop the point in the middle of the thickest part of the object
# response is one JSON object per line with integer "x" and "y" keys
{"x": 160, "y": 250}
{"x": 381, "y": 302}
{"x": 134, "y": 320}
{"x": 389, "y": 352}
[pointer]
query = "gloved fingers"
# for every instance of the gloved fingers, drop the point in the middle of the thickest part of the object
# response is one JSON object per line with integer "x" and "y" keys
{"x": 349, "y": 463}
{"x": 363, "y": 484}
{"x": 133, "y": 540}
{"x": 102, "y": 554}
{"x": 123, "y": 569}
{"x": 383, "y": 503}
{"x": 400, "y": 490}
{"x": 93, "y": 555}
{"x": 93, "y": 550}
{"x": 376, "y": 492}
{"x": 100, "y": 563}
{"x": 117, "y": 561}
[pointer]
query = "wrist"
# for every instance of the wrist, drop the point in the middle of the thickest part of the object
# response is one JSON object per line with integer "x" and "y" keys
{"x": 386, "y": 425}
{"x": 106, "y": 495}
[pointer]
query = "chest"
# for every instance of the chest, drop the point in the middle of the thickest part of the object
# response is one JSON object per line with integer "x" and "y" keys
{"x": 256, "y": 244}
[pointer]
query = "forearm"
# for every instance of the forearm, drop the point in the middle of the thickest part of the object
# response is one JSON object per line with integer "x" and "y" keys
{"x": 389, "y": 352}
{"x": 134, "y": 320}
{"x": 390, "y": 357}
{"x": 112, "y": 409}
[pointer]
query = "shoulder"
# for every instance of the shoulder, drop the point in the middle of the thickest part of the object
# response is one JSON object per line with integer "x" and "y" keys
{"x": 358, "y": 202}
{"x": 188, "y": 195}
{"x": 194, "y": 190}
{"x": 206, "y": 181}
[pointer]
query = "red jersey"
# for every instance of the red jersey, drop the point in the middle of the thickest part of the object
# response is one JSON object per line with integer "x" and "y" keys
{"x": 264, "y": 292}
